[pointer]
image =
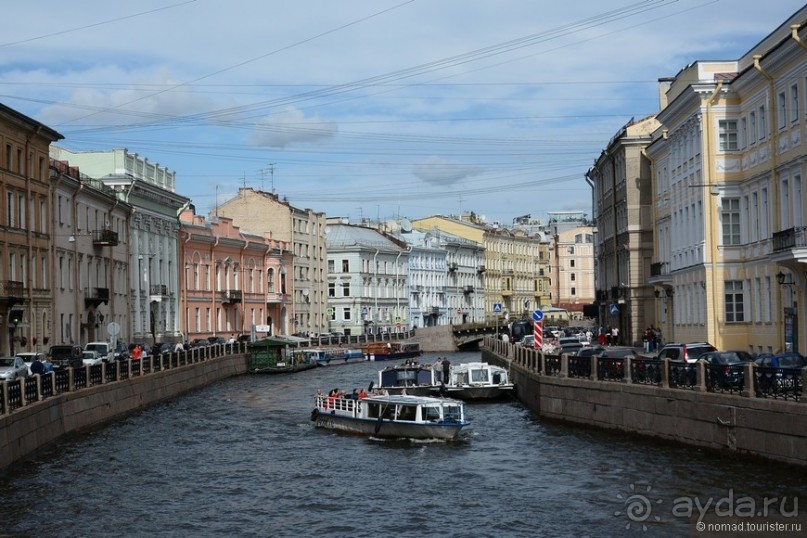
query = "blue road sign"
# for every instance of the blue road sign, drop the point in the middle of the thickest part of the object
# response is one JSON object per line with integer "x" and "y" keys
{"x": 497, "y": 307}
{"x": 614, "y": 308}
{"x": 537, "y": 316}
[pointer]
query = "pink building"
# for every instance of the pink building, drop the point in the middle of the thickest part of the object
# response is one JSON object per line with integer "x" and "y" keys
{"x": 231, "y": 280}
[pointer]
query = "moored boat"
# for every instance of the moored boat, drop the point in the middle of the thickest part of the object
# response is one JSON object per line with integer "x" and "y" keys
{"x": 390, "y": 351}
{"x": 476, "y": 381}
{"x": 272, "y": 355}
{"x": 391, "y": 416}
{"x": 466, "y": 381}
{"x": 329, "y": 356}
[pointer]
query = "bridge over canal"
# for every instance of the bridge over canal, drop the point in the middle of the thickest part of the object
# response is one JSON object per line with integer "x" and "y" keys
{"x": 454, "y": 337}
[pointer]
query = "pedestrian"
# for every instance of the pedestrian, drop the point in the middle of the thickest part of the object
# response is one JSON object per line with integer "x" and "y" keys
{"x": 37, "y": 368}
{"x": 446, "y": 370}
{"x": 48, "y": 365}
{"x": 179, "y": 347}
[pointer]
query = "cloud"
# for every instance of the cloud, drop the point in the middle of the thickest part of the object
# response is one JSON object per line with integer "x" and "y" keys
{"x": 290, "y": 127}
{"x": 442, "y": 172}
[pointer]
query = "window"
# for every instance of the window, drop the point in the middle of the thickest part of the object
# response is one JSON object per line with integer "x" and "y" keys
{"x": 331, "y": 267}
{"x": 571, "y": 263}
{"x": 572, "y": 277}
{"x": 731, "y": 221}
{"x": 346, "y": 313}
{"x": 781, "y": 113}
{"x": 346, "y": 289}
{"x": 345, "y": 266}
{"x": 752, "y": 127}
{"x": 763, "y": 131}
{"x": 728, "y": 135}
{"x": 331, "y": 289}
{"x": 743, "y": 139}
{"x": 794, "y": 103}
{"x": 734, "y": 301}
{"x": 574, "y": 291}
{"x": 10, "y": 209}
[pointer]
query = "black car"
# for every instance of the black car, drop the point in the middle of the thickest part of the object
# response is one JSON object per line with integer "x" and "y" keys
{"x": 726, "y": 369}
{"x": 66, "y": 355}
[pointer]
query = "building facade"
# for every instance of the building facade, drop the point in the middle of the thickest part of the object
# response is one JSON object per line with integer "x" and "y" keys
{"x": 367, "y": 281}
{"x": 304, "y": 231}
{"x": 91, "y": 272}
{"x": 26, "y": 258}
{"x": 728, "y": 162}
{"x": 150, "y": 189}
{"x": 232, "y": 280}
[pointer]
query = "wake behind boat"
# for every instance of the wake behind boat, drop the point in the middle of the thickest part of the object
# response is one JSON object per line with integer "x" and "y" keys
{"x": 391, "y": 416}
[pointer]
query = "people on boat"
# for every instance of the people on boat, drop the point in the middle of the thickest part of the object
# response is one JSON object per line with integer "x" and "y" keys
{"x": 446, "y": 369}
{"x": 332, "y": 396}
{"x": 362, "y": 394}
{"x": 353, "y": 395}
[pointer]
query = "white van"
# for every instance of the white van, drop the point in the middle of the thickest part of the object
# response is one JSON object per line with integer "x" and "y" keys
{"x": 104, "y": 350}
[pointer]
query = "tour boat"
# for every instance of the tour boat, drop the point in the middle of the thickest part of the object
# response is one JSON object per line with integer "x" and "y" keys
{"x": 391, "y": 416}
{"x": 476, "y": 381}
{"x": 329, "y": 356}
{"x": 273, "y": 355}
{"x": 466, "y": 381}
{"x": 390, "y": 351}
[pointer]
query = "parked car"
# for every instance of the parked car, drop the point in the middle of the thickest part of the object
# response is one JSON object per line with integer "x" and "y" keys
{"x": 200, "y": 342}
{"x": 215, "y": 340}
{"x": 725, "y": 368}
{"x": 782, "y": 360}
{"x": 590, "y": 351}
{"x": 685, "y": 352}
{"x": 91, "y": 358}
{"x": 527, "y": 341}
{"x": 104, "y": 350}
{"x": 12, "y": 368}
{"x": 65, "y": 355}
{"x": 569, "y": 344}
{"x": 121, "y": 351}
{"x": 29, "y": 357}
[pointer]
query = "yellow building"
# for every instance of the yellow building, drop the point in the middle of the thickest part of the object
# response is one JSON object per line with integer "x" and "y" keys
{"x": 516, "y": 264}
{"x": 728, "y": 162}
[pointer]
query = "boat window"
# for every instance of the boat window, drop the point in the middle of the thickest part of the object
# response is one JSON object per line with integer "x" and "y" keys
{"x": 479, "y": 376}
{"x": 431, "y": 414}
{"x": 452, "y": 412}
{"x": 406, "y": 412}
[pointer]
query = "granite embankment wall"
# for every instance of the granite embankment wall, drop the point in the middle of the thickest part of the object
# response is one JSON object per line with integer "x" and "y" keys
{"x": 36, "y": 425}
{"x": 438, "y": 339}
{"x": 752, "y": 426}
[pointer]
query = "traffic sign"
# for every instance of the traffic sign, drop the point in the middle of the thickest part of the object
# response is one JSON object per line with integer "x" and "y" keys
{"x": 113, "y": 328}
{"x": 538, "y": 315}
{"x": 614, "y": 309}
{"x": 497, "y": 307}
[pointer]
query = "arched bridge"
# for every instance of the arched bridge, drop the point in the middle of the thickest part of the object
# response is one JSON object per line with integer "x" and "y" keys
{"x": 454, "y": 337}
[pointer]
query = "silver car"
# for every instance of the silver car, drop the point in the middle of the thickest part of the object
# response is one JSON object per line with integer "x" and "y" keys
{"x": 12, "y": 368}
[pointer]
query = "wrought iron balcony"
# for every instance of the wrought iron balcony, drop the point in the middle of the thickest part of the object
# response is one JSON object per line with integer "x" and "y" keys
{"x": 158, "y": 290}
{"x": 480, "y": 269}
{"x": 231, "y": 296}
{"x": 11, "y": 288}
{"x": 789, "y": 239}
{"x": 467, "y": 289}
{"x": 95, "y": 296}
{"x": 452, "y": 267}
{"x": 105, "y": 238}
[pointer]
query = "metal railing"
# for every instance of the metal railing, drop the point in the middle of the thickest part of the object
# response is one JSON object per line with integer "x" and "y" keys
{"x": 746, "y": 379}
{"x": 32, "y": 389}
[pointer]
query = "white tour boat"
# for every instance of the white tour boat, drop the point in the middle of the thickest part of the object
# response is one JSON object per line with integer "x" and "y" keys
{"x": 392, "y": 416}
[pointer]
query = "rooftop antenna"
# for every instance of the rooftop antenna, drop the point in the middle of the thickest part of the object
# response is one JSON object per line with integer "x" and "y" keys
{"x": 272, "y": 175}
{"x": 217, "y": 201}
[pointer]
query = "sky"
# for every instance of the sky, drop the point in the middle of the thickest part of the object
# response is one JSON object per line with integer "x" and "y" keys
{"x": 382, "y": 109}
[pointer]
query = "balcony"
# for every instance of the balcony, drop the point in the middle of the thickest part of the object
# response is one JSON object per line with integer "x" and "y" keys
{"x": 95, "y": 296}
{"x": 660, "y": 273}
{"x": 273, "y": 298}
{"x": 467, "y": 289}
{"x": 507, "y": 293}
{"x": 435, "y": 310}
{"x": 480, "y": 269}
{"x": 231, "y": 296}
{"x": 12, "y": 292}
{"x": 105, "y": 238}
{"x": 452, "y": 267}
{"x": 157, "y": 292}
{"x": 790, "y": 244}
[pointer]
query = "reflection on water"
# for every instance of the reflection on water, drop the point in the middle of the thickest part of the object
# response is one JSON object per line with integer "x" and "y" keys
{"x": 241, "y": 458}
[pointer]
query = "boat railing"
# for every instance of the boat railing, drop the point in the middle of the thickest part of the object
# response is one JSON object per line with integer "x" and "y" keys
{"x": 346, "y": 405}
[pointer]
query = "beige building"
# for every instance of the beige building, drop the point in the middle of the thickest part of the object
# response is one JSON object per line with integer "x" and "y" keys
{"x": 26, "y": 260}
{"x": 728, "y": 162}
{"x": 259, "y": 212}
{"x": 622, "y": 203}
{"x": 90, "y": 277}
{"x": 155, "y": 313}
{"x": 516, "y": 270}
{"x": 572, "y": 269}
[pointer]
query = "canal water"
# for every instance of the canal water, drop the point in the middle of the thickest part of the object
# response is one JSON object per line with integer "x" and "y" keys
{"x": 240, "y": 458}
